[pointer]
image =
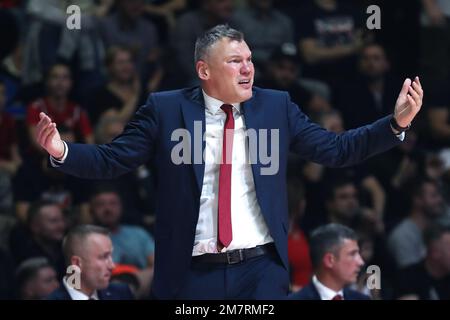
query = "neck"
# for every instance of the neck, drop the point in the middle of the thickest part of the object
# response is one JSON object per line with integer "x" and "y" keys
{"x": 376, "y": 85}
{"x": 87, "y": 290}
{"x": 329, "y": 281}
{"x": 339, "y": 219}
{"x": 57, "y": 102}
{"x": 120, "y": 84}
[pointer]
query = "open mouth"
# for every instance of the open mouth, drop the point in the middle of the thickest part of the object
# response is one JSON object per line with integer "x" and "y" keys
{"x": 246, "y": 83}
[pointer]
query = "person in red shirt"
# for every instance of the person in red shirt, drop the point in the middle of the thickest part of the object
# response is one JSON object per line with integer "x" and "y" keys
{"x": 298, "y": 247}
{"x": 57, "y": 104}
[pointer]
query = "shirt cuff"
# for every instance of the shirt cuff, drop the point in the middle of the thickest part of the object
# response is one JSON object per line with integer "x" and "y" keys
{"x": 401, "y": 136}
{"x": 55, "y": 162}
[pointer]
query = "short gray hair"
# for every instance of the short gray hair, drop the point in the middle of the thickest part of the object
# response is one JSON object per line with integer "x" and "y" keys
{"x": 78, "y": 234}
{"x": 328, "y": 238}
{"x": 211, "y": 36}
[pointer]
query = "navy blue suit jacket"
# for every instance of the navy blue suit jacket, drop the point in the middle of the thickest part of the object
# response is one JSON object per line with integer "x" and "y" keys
{"x": 310, "y": 293}
{"x": 115, "y": 291}
{"x": 148, "y": 137}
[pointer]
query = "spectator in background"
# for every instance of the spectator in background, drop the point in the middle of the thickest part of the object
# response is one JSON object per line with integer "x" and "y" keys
{"x": 283, "y": 72}
{"x": 298, "y": 248}
{"x": 36, "y": 279}
{"x": 35, "y": 181}
{"x": 370, "y": 96}
{"x": 136, "y": 188}
{"x": 429, "y": 279}
{"x": 49, "y": 41}
{"x": 330, "y": 37}
{"x": 265, "y": 29}
{"x": 395, "y": 169}
{"x": 41, "y": 237}
{"x": 10, "y": 159}
{"x": 57, "y": 103}
{"x": 132, "y": 244}
{"x": 89, "y": 248}
{"x": 164, "y": 14}
{"x": 438, "y": 116}
{"x": 191, "y": 25}
{"x": 405, "y": 243}
{"x": 122, "y": 93}
{"x": 336, "y": 261}
{"x": 17, "y": 96}
{"x": 108, "y": 127}
{"x": 127, "y": 27}
{"x": 435, "y": 41}
{"x": 128, "y": 275}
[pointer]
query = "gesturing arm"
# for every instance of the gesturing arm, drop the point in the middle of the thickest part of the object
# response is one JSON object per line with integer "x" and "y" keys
{"x": 316, "y": 144}
{"x": 126, "y": 152}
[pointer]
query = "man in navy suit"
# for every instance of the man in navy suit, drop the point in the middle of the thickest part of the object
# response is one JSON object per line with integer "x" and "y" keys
{"x": 88, "y": 249}
{"x": 336, "y": 261}
{"x": 221, "y": 227}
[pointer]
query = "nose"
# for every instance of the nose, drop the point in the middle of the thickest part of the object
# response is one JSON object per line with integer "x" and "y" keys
{"x": 111, "y": 264}
{"x": 360, "y": 260}
{"x": 246, "y": 67}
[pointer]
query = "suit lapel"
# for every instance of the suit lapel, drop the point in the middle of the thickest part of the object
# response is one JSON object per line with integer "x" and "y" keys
{"x": 193, "y": 110}
{"x": 254, "y": 120}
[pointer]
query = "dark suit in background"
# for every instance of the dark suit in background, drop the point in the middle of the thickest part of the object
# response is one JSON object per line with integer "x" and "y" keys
{"x": 310, "y": 293}
{"x": 115, "y": 291}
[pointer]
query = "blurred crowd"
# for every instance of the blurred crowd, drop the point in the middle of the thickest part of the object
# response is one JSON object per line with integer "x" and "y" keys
{"x": 341, "y": 74}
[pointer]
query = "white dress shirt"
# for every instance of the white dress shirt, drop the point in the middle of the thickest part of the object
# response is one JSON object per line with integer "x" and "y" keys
{"x": 78, "y": 295}
{"x": 325, "y": 293}
{"x": 249, "y": 227}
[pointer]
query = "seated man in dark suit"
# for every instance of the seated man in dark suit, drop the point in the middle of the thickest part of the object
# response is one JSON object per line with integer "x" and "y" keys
{"x": 336, "y": 262}
{"x": 87, "y": 250}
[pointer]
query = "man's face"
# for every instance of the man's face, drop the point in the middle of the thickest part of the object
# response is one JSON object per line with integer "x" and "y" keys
{"x": 49, "y": 224}
{"x": 59, "y": 82}
{"x": 227, "y": 72}
{"x": 431, "y": 200}
{"x": 373, "y": 62}
{"x": 44, "y": 283}
{"x": 347, "y": 262}
{"x": 345, "y": 202}
{"x": 106, "y": 209}
{"x": 122, "y": 68}
{"x": 284, "y": 72}
{"x": 96, "y": 262}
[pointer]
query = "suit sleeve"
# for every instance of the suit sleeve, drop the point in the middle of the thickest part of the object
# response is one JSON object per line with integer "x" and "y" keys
{"x": 135, "y": 146}
{"x": 316, "y": 144}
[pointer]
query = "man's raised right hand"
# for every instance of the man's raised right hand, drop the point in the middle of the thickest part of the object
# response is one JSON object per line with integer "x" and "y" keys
{"x": 48, "y": 136}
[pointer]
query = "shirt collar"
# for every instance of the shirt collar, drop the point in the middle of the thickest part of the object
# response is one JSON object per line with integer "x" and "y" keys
{"x": 325, "y": 293}
{"x": 78, "y": 295}
{"x": 213, "y": 104}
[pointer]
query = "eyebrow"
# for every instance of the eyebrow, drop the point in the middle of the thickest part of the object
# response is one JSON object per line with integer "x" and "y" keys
{"x": 237, "y": 56}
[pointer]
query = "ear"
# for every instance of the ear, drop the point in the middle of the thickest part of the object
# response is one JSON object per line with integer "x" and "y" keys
{"x": 76, "y": 261}
{"x": 202, "y": 70}
{"x": 328, "y": 260}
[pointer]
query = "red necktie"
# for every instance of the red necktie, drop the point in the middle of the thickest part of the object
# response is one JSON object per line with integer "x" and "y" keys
{"x": 225, "y": 233}
{"x": 338, "y": 297}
